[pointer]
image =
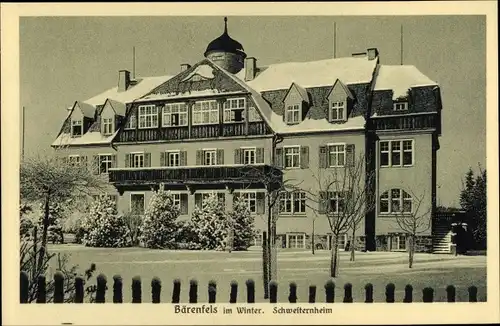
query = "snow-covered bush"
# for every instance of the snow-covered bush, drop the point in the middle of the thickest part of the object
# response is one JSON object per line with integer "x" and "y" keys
{"x": 103, "y": 227}
{"x": 158, "y": 227}
{"x": 211, "y": 224}
{"x": 242, "y": 223}
{"x": 56, "y": 215}
{"x": 186, "y": 236}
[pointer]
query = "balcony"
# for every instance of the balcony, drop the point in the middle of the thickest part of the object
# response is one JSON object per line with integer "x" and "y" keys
{"x": 195, "y": 175}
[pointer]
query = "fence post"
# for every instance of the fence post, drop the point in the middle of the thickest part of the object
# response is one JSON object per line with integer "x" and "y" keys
{"x": 428, "y": 294}
{"x": 408, "y": 294}
{"x": 41, "y": 294}
{"x": 348, "y": 293}
{"x": 176, "y": 292}
{"x": 233, "y": 295}
{"x": 330, "y": 291}
{"x": 472, "y": 293}
{"x": 24, "y": 287}
{"x": 312, "y": 293}
{"x": 369, "y": 293}
{"x": 389, "y": 292}
{"x": 136, "y": 289}
{"x": 155, "y": 290}
{"x": 250, "y": 291}
{"x": 100, "y": 295}
{"x": 193, "y": 291}
{"x": 58, "y": 287}
{"x": 273, "y": 292}
{"x": 450, "y": 293}
{"x": 292, "y": 298}
{"x": 212, "y": 291}
{"x": 79, "y": 294}
{"x": 117, "y": 289}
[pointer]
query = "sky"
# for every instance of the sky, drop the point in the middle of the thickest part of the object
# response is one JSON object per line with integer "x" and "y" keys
{"x": 64, "y": 59}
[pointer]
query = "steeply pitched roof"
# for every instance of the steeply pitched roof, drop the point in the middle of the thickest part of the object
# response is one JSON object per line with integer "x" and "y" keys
{"x": 400, "y": 79}
{"x": 301, "y": 90}
{"x": 88, "y": 110}
{"x": 341, "y": 84}
{"x": 119, "y": 107}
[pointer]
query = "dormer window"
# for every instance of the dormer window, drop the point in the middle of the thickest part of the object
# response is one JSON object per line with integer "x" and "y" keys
{"x": 338, "y": 111}
{"x": 205, "y": 112}
{"x": 131, "y": 122}
{"x": 76, "y": 128}
{"x": 234, "y": 109}
{"x": 175, "y": 114}
{"x": 107, "y": 126}
{"x": 148, "y": 116}
{"x": 401, "y": 106}
{"x": 293, "y": 113}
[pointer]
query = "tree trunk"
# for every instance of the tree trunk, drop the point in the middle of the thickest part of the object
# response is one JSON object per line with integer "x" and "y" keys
{"x": 43, "y": 247}
{"x": 273, "y": 255}
{"x": 312, "y": 238}
{"x": 353, "y": 241}
{"x": 265, "y": 265}
{"x": 334, "y": 262}
{"x": 411, "y": 251}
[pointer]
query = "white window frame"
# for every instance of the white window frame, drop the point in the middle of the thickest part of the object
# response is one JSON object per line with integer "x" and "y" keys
{"x": 131, "y": 122}
{"x": 109, "y": 162}
{"x": 173, "y": 153}
{"x": 176, "y": 198}
{"x": 285, "y": 154}
{"x": 249, "y": 151}
{"x": 399, "y": 242}
{"x": 137, "y": 154}
{"x": 74, "y": 159}
{"x": 336, "y": 196}
{"x": 212, "y": 156}
{"x": 296, "y": 242}
{"x": 229, "y": 109}
{"x": 137, "y": 193}
{"x": 148, "y": 120}
{"x": 77, "y": 123}
{"x": 199, "y": 111}
{"x": 339, "y": 107}
{"x": 291, "y": 196}
{"x": 404, "y": 197}
{"x": 342, "y": 241}
{"x": 258, "y": 239}
{"x": 248, "y": 197}
{"x": 331, "y": 152}
{"x": 389, "y": 151}
{"x": 400, "y": 106}
{"x": 107, "y": 126}
{"x": 291, "y": 111}
{"x": 179, "y": 109}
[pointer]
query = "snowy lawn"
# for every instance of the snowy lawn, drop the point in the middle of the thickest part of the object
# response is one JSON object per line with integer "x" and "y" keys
{"x": 305, "y": 269}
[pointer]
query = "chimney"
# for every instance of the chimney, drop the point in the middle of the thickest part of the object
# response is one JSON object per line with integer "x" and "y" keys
{"x": 185, "y": 66}
{"x": 372, "y": 53}
{"x": 359, "y": 55}
{"x": 250, "y": 68}
{"x": 123, "y": 80}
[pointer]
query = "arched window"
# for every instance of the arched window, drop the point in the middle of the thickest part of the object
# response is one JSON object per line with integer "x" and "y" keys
{"x": 396, "y": 201}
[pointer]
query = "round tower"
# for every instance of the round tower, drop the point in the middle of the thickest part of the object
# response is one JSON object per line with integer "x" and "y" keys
{"x": 226, "y": 52}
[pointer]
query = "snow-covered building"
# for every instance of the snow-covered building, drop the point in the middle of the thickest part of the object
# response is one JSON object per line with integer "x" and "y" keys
{"x": 220, "y": 124}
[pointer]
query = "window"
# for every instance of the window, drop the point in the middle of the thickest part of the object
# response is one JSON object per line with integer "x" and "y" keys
{"x": 396, "y": 153}
{"x": 249, "y": 155}
{"x": 336, "y": 155}
{"x": 250, "y": 199}
{"x": 396, "y": 201}
{"x": 293, "y": 114}
{"x": 210, "y": 157}
{"x": 296, "y": 241}
{"x": 402, "y": 106}
{"x": 336, "y": 201}
{"x": 148, "y": 116}
{"x": 137, "y": 204}
{"x": 292, "y": 157}
{"x": 337, "y": 111}
{"x": 74, "y": 159}
{"x": 173, "y": 158}
{"x": 105, "y": 163}
{"x": 76, "y": 128}
{"x": 293, "y": 203}
{"x": 398, "y": 242}
{"x": 205, "y": 112}
{"x": 175, "y": 114}
{"x": 342, "y": 240}
{"x": 253, "y": 115}
{"x": 258, "y": 239}
{"x": 176, "y": 198}
{"x": 107, "y": 126}
{"x": 131, "y": 122}
{"x": 137, "y": 160}
{"x": 234, "y": 109}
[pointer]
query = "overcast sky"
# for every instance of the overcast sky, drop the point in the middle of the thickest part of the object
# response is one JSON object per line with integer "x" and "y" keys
{"x": 74, "y": 58}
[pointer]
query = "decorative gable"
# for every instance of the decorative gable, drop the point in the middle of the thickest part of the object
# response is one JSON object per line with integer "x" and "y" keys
{"x": 202, "y": 72}
{"x": 340, "y": 101}
{"x": 296, "y": 102}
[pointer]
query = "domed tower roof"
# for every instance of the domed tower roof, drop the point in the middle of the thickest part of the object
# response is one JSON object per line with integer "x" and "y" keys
{"x": 225, "y": 43}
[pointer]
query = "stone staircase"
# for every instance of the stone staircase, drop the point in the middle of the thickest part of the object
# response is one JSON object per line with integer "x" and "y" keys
{"x": 441, "y": 239}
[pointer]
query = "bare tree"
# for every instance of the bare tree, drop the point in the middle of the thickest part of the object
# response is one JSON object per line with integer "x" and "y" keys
{"x": 343, "y": 195}
{"x": 412, "y": 220}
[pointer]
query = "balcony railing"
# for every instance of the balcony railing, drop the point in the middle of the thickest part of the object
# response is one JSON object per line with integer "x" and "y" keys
{"x": 213, "y": 174}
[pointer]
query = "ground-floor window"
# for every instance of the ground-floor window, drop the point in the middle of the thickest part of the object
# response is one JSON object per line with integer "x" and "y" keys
{"x": 342, "y": 241}
{"x": 257, "y": 240}
{"x": 137, "y": 204}
{"x": 398, "y": 242}
{"x": 296, "y": 241}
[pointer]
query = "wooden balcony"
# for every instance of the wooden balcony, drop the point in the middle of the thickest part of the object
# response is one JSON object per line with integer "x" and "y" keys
{"x": 194, "y": 175}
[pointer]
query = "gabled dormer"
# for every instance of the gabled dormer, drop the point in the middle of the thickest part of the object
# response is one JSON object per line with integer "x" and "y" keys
{"x": 111, "y": 114}
{"x": 296, "y": 102}
{"x": 82, "y": 117}
{"x": 340, "y": 101}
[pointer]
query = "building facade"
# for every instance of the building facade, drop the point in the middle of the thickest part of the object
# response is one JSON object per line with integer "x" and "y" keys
{"x": 222, "y": 123}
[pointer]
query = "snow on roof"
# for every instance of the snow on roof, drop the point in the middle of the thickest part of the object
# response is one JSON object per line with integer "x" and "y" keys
{"x": 314, "y": 73}
{"x": 93, "y": 137}
{"x": 400, "y": 79}
{"x": 142, "y": 87}
{"x": 88, "y": 110}
{"x": 302, "y": 92}
{"x": 119, "y": 107}
{"x": 169, "y": 96}
{"x": 204, "y": 71}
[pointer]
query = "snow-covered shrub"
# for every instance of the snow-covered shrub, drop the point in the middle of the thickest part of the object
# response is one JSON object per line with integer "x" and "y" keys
{"x": 242, "y": 223}
{"x": 186, "y": 236}
{"x": 103, "y": 227}
{"x": 211, "y": 224}
{"x": 56, "y": 214}
{"x": 158, "y": 227}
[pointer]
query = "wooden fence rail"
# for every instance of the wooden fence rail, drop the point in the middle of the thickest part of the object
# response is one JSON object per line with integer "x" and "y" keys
{"x": 156, "y": 286}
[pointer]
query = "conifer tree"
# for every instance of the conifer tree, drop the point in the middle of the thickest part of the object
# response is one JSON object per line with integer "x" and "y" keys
{"x": 211, "y": 224}
{"x": 242, "y": 224}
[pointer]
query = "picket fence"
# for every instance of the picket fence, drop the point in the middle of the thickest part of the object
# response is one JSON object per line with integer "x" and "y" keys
{"x": 100, "y": 294}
